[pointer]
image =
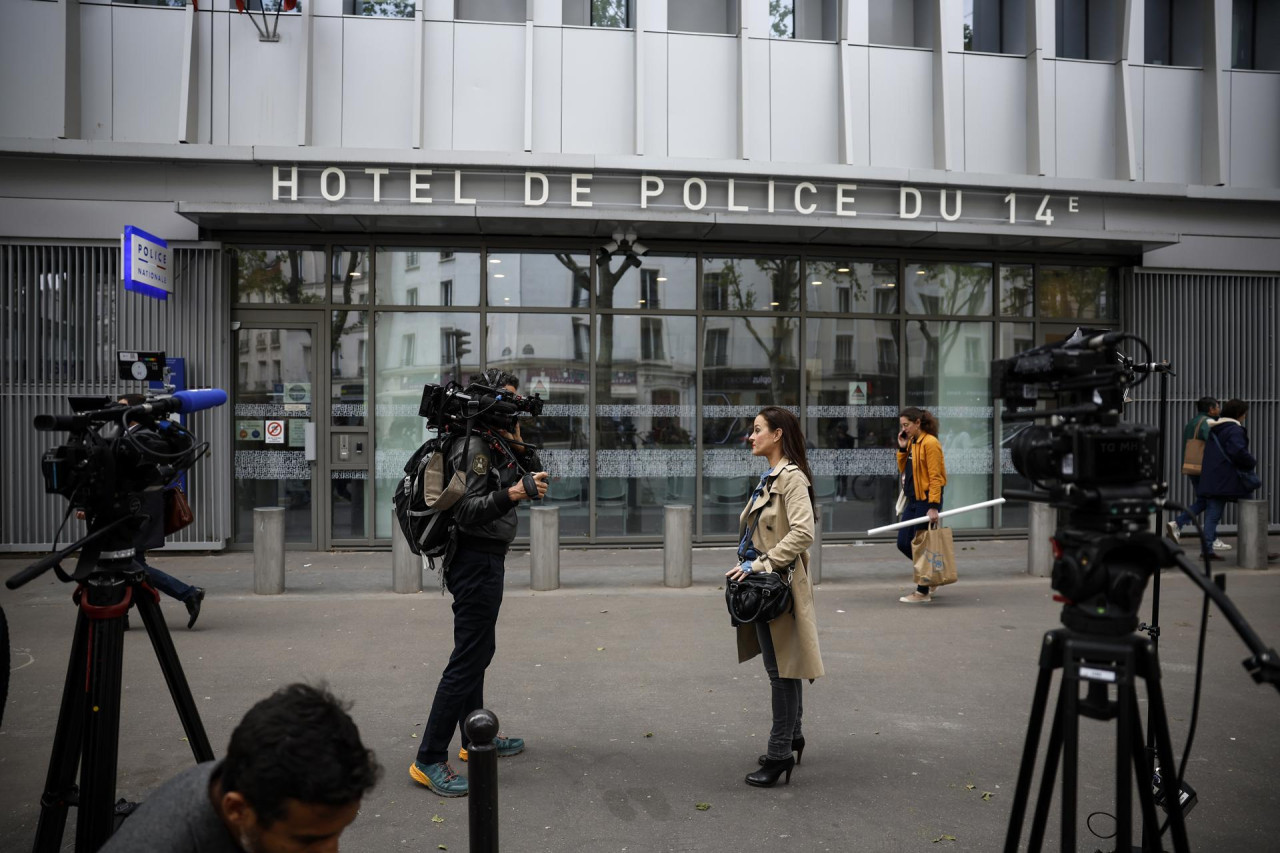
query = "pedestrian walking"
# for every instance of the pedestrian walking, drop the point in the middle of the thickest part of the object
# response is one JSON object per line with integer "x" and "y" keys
{"x": 924, "y": 475}
{"x": 1196, "y": 430}
{"x": 1225, "y": 457}
{"x": 775, "y": 531}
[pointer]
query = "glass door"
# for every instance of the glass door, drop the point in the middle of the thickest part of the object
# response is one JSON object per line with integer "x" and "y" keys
{"x": 274, "y": 425}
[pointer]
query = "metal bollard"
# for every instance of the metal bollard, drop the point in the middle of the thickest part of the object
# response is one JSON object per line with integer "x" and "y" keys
{"x": 815, "y": 550}
{"x": 481, "y": 727}
{"x": 677, "y": 546}
{"x": 544, "y": 548}
{"x": 1043, "y": 521}
{"x": 1251, "y": 534}
{"x": 268, "y": 550}
{"x": 406, "y": 566}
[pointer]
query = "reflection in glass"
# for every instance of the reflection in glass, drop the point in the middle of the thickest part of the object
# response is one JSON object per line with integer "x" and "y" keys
{"x": 437, "y": 277}
{"x": 646, "y": 395}
{"x": 277, "y": 276}
{"x": 751, "y": 284}
{"x": 1014, "y": 338}
{"x": 347, "y": 504}
{"x": 550, "y": 355}
{"x": 847, "y": 287}
{"x": 349, "y": 276}
{"x": 948, "y": 369}
{"x": 348, "y": 368}
{"x": 539, "y": 280}
{"x": 748, "y": 363}
{"x": 1083, "y": 292}
{"x": 273, "y": 389}
{"x": 1016, "y": 290}
{"x": 414, "y": 348}
{"x": 948, "y": 288}
{"x": 852, "y": 384}
{"x": 660, "y": 282}
{"x": 782, "y": 19}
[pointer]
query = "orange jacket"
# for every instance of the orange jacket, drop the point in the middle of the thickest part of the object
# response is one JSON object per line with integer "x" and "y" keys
{"x": 928, "y": 470}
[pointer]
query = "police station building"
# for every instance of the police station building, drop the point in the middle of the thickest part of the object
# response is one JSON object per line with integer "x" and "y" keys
{"x": 660, "y": 215}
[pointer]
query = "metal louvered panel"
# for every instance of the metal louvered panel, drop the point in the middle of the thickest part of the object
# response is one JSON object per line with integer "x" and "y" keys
{"x": 63, "y": 317}
{"x": 1221, "y": 333}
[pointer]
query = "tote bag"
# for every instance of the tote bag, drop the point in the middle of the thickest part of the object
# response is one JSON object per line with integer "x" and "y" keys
{"x": 933, "y": 553}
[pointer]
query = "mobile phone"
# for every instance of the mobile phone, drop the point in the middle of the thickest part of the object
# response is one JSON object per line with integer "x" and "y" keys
{"x": 902, "y": 436}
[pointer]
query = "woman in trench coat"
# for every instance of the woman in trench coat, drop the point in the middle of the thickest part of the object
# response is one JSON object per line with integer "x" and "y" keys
{"x": 781, "y": 510}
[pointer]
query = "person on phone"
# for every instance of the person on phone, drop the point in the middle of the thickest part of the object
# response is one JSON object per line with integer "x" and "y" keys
{"x": 775, "y": 530}
{"x": 924, "y": 475}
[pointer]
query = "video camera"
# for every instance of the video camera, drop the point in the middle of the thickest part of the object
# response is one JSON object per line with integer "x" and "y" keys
{"x": 448, "y": 405}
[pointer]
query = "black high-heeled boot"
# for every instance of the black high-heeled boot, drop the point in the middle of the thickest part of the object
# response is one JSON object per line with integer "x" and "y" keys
{"x": 767, "y": 776}
{"x": 797, "y": 746}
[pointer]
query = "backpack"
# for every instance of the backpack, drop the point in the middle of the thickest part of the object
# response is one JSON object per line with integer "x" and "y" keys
{"x": 424, "y": 499}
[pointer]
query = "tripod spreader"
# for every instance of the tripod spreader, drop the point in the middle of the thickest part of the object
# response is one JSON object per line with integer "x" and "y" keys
{"x": 50, "y": 561}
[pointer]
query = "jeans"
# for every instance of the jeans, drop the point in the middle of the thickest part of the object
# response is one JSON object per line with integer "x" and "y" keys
{"x": 1212, "y": 515}
{"x": 913, "y": 509}
{"x": 475, "y": 579}
{"x": 167, "y": 583}
{"x": 1196, "y": 508}
{"x": 788, "y": 706}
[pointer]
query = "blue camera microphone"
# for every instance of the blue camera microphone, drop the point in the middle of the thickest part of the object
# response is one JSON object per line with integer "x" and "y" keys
{"x": 184, "y": 402}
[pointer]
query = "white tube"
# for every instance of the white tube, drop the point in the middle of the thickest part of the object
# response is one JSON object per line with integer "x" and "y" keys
{"x": 924, "y": 518}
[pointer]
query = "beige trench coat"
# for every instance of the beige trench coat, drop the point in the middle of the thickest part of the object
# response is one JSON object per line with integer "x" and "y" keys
{"x": 783, "y": 534}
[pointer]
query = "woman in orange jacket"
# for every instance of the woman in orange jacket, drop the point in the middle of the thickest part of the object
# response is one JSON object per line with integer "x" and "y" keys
{"x": 924, "y": 474}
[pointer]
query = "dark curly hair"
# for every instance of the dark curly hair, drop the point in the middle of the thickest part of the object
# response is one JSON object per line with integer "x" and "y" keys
{"x": 298, "y": 744}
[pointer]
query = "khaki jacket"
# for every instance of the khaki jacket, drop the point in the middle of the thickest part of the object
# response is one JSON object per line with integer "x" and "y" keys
{"x": 783, "y": 534}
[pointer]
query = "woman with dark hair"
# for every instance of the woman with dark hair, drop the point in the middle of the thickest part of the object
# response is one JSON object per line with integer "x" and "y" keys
{"x": 775, "y": 530}
{"x": 1226, "y": 453}
{"x": 924, "y": 475}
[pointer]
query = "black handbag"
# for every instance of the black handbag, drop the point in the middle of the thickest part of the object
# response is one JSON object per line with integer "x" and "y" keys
{"x": 760, "y": 596}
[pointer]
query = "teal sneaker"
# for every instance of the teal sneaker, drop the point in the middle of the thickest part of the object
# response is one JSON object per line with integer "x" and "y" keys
{"x": 507, "y": 747}
{"x": 440, "y": 778}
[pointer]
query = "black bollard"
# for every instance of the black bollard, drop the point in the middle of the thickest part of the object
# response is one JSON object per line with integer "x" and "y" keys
{"x": 482, "y": 775}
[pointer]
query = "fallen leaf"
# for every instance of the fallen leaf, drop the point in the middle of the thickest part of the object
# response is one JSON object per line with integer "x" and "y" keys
{"x": 648, "y": 734}
{"x": 437, "y": 819}
{"x": 944, "y": 838}
{"x": 987, "y": 795}
{"x": 970, "y": 787}
{"x": 441, "y": 847}
{"x": 599, "y": 648}
{"x": 702, "y": 807}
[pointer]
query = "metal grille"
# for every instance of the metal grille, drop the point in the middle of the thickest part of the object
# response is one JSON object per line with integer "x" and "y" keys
{"x": 1221, "y": 333}
{"x": 63, "y": 317}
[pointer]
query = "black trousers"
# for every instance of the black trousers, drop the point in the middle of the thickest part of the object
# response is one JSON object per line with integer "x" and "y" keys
{"x": 475, "y": 580}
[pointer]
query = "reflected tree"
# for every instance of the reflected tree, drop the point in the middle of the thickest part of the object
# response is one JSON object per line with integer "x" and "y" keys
{"x": 962, "y": 294}
{"x": 273, "y": 277}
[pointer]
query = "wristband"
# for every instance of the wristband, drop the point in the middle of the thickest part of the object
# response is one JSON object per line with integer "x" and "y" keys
{"x": 530, "y": 486}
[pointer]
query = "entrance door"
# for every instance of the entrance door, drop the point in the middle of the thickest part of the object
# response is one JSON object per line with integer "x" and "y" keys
{"x": 274, "y": 428}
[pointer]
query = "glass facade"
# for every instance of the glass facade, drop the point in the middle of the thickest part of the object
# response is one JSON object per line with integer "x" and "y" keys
{"x": 653, "y": 368}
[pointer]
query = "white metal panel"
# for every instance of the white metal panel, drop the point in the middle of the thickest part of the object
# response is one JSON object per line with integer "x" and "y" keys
{"x": 95, "y": 72}
{"x": 759, "y": 113}
{"x": 146, "y": 58}
{"x": 264, "y": 88}
{"x": 1086, "y": 120}
{"x": 995, "y": 114}
{"x": 488, "y": 87}
{"x": 599, "y": 91}
{"x": 1171, "y": 106}
{"x": 1138, "y": 88}
{"x": 508, "y": 11}
{"x": 857, "y": 68}
{"x": 804, "y": 95}
{"x": 204, "y": 76}
{"x": 702, "y": 16}
{"x": 655, "y": 94}
{"x": 221, "y": 84}
{"x": 702, "y": 96}
{"x": 31, "y": 77}
{"x": 437, "y": 88}
{"x": 901, "y": 116}
{"x": 1255, "y": 129}
{"x": 377, "y": 82}
{"x": 548, "y": 88}
{"x": 327, "y": 105}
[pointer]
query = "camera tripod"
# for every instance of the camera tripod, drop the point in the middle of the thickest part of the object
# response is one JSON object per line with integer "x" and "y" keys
{"x": 87, "y": 735}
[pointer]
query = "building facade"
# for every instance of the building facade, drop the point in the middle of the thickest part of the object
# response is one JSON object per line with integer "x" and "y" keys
{"x": 660, "y": 214}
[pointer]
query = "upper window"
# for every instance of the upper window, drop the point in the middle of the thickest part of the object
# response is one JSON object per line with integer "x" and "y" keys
{"x": 611, "y": 14}
{"x": 703, "y": 16}
{"x": 1087, "y": 29}
{"x": 995, "y": 26}
{"x": 1172, "y": 33}
{"x": 815, "y": 20}
{"x": 1255, "y": 35}
{"x": 500, "y": 11}
{"x": 383, "y": 8}
{"x": 903, "y": 23}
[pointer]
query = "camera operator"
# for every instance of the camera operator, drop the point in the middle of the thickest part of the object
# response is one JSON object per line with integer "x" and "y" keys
{"x": 474, "y": 569}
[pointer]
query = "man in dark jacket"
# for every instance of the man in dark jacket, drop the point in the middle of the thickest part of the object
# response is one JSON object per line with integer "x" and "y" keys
{"x": 474, "y": 568}
{"x": 1225, "y": 454}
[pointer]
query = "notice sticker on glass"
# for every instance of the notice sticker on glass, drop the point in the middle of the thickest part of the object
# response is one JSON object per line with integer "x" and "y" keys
{"x": 249, "y": 430}
{"x": 275, "y": 432}
{"x": 298, "y": 432}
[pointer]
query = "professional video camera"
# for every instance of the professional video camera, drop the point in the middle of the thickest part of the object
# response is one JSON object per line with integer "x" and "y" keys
{"x": 496, "y": 408}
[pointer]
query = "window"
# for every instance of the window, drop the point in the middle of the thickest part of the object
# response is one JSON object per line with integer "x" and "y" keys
{"x": 499, "y": 11}
{"x": 275, "y": 338}
{"x": 425, "y": 277}
{"x": 717, "y": 350}
{"x": 261, "y": 340}
{"x": 714, "y": 297}
{"x": 651, "y": 339}
{"x": 446, "y": 255}
{"x": 446, "y": 292}
{"x": 581, "y": 340}
{"x": 448, "y": 345}
{"x": 411, "y": 296}
{"x": 886, "y": 356}
{"x": 362, "y": 354}
{"x": 1255, "y": 35}
{"x": 242, "y": 345}
{"x": 703, "y": 16}
{"x": 814, "y": 20}
{"x": 275, "y": 371}
{"x": 973, "y": 355}
{"x": 649, "y": 291}
{"x": 844, "y": 352}
{"x": 844, "y": 299}
{"x": 383, "y": 8}
{"x": 904, "y": 23}
{"x": 995, "y": 26}
{"x": 411, "y": 261}
{"x": 1088, "y": 29}
{"x": 408, "y": 344}
{"x": 612, "y": 14}
{"x": 1173, "y": 35}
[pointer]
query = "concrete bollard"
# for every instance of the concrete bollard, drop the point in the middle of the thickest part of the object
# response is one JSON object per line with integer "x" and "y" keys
{"x": 815, "y": 550}
{"x": 406, "y": 566}
{"x": 1043, "y": 521}
{"x": 1251, "y": 534}
{"x": 268, "y": 550}
{"x": 544, "y": 548}
{"x": 677, "y": 546}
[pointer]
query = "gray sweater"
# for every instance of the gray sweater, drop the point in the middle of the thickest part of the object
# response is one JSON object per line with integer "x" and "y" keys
{"x": 177, "y": 818}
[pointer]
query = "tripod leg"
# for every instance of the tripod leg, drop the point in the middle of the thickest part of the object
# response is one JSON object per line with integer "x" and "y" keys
{"x": 174, "y": 677}
{"x": 1050, "y": 774}
{"x": 1026, "y": 769}
{"x": 1168, "y": 769}
{"x": 1127, "y": 725}
{"x": 1070, "y": 746}
{"x": 67, "y": 739}
{"x": 108, "y": 606}
{"x": 1146, "y": 799}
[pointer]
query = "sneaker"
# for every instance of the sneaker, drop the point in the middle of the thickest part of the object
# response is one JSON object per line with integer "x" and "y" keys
{"x": 1175, "y": 532}
{"x": 507, "y": 747}
{"x": 193, "y": 605}
{"x": 439, "y": 778}
{"x": 1219, "y": 545}
{"x": 916, "y": 598}
{"x": 1212, "y": 557}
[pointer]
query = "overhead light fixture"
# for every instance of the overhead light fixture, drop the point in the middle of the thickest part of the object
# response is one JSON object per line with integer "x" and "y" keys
{"x": 843, "y": 269}
{"x": 357, "y": 275}
{"x": 495, "y": 260}
{"x": 661, "y": 278}
{"x": 774, "y": 304}
{"x": 638, "y": 247}
{"x": 641, "y": 301}
{"x": 817, "y": 284}
{"x": 890, "y": 284}
{"x": 610, "y": 247}
{"x": 919, "y": 272}
{"x": 499, "y": 275}
{"x": 506, "y": 299}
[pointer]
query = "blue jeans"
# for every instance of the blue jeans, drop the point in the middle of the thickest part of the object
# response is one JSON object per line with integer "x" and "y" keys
{"x": 167, "y": 583}
{"x": 788, "y": 706}
{"x": 1212, "y": 515}
{"x": 1196, "y": 508}
{"x": 913, "y": 509}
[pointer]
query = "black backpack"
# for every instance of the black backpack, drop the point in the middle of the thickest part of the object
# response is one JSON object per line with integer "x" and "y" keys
{"x": 425, "y": 497}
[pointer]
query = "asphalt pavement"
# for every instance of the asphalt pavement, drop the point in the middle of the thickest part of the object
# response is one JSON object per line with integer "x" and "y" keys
{"x": 637, "y": 714}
